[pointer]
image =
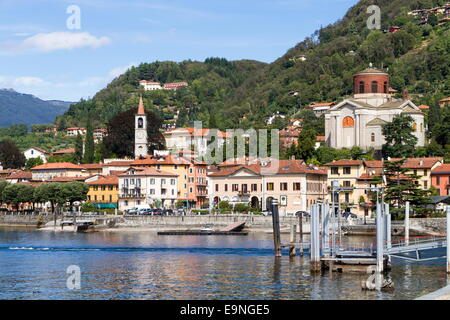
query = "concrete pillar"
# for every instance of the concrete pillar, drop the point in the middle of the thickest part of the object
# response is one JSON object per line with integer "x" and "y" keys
{"x": 315, "y": 239}
{"x": 292, "y": 240}
{"x": 448, "y": 239}
{"x": 380, "y": 238}
{"x": 388, "y": 232}
{"x": 407, "y": 223}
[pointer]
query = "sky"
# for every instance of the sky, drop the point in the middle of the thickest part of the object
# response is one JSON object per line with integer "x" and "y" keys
{"x": 68, "y": 50}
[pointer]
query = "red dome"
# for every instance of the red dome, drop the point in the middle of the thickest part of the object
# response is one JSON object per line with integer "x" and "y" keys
{"x": 371, "y": 80}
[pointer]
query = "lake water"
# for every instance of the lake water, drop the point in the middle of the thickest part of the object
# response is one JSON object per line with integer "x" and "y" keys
{"x": 143, "y": 265}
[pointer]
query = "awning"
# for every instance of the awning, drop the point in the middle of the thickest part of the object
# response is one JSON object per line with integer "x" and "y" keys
{"x": 106, "y": 205}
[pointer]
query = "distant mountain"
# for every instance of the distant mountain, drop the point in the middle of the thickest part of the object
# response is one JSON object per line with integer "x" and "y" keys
{"x": 18, "y": 107}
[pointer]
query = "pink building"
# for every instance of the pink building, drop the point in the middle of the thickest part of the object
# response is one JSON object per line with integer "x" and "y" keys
{"x": 440, "y": 179}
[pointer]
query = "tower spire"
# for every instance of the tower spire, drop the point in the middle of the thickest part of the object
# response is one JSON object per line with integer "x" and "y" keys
{"x": 141, "y": 109}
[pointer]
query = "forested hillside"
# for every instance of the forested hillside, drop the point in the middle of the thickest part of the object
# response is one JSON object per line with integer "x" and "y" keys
{"x": 244, "y": 93}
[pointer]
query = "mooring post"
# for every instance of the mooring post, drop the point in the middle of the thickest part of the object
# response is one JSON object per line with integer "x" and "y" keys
{"x": 388, "y": 231}
{"x": 407, "y": 223}
{"x": 315, "y": 239}
{"x": 292, "y": 239}
{"x": 448, "y": 238}
{"x": 326, "y": 229}
{"x": 276, "y": 228}
{"x": 380, "y": 245}
{"x": 301, "y": 234}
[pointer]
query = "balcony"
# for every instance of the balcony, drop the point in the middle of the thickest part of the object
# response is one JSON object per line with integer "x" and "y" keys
{"x": 132, "y": 196}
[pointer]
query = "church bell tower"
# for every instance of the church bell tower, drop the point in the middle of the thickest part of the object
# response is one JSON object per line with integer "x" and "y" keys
{"x": 140, "y": 137}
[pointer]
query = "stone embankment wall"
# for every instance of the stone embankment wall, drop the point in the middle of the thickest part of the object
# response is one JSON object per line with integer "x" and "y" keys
{"x": 24, "y": 220}
{"x": 196, "y": 222}
{"x": 429, "y": 225}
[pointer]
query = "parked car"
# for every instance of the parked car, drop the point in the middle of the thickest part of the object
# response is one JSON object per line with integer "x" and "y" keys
{"x": 266, "y": 213}
{"x": 157, "y": 212}
{"x": 131, "y": 211}
{"x": 348, "y": 214}
{"x": 302, "y": 214}
{"x": 167, "y": 212}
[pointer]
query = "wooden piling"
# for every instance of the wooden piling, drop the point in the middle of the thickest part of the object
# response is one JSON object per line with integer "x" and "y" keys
{"x": 301, "y": 235}
{"x": 276, "y": 228}
{"x": 292, "y": 240}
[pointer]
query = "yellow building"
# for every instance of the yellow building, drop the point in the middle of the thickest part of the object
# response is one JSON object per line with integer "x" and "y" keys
{"x": 104, "y": 192}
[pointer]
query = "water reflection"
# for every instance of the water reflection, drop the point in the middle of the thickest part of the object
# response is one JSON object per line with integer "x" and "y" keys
{"x": 139, "y": 265}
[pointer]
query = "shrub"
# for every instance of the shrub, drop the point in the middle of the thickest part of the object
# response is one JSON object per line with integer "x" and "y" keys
{"x": 224, "y": 205}
{"x": 241, "y": 207}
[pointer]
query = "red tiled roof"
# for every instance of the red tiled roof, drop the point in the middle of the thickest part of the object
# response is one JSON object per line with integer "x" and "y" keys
{"x": 19, "y": 174}
{"x": 419, "y": 163}
{"x": 161, "y": 160}
{"x": 374, "y": 164}
{"x": 141, "y": 109}
{"x": 320, "y": 138}
{"x": 445, "y": 99}
{"x": 64, "y": 151}
{"x": 148, "y": 171}
{"x": 115, "y": 172}
{"x": 119, "y": 163}
{"x": 57, "y": 165}
{"x": 323, "y": 104}
{"x": 442, "y": 169}
{"x": 423, "y": 107}
{"x": 345, "y": 162}
{"x": 92, "y": 166}
{"x": 197, "y": 132}
{"x": 107, "y": 180}
{"x": 38, "y": 149}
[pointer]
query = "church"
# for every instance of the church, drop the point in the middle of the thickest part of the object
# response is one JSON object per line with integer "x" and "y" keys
{"x": 358, "y": 121}
{"x": 140, "y": 136}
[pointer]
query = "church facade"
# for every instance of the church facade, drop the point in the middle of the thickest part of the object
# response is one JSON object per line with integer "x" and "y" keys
{"x": 358, "y": 121}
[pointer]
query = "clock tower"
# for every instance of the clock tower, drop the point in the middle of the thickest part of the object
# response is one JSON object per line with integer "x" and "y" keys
{"x": 140, "y": 136}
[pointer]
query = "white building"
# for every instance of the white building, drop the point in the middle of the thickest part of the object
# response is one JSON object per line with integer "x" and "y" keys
{"x": 140, "y": 135}
{"x": 184, "y": 138}
{"x": 34, "y": 152}
{"x": 75, "y": 131}
{"x": 150, "y": 85}
{"x": 147, "y": 186}
{"x": 358, "y": 121}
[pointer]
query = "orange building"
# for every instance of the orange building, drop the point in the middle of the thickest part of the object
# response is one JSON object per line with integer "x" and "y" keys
{"x": 440, "y": 179}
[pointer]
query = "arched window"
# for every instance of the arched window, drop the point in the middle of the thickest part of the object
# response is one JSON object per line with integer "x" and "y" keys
{"x": 140, "y": 123}
{"x": 374, "y": 87}
{"x": 372, "y": 137}
{"x": 414, "y": 127}
{"x": 348, "y": 122}
{"x": 421, "y": 127}
{"x": 385, "y": 87}
{"x": 361, "y": 87}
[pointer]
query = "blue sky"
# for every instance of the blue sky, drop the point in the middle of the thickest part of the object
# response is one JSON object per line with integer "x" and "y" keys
{"x": 40, "y": 55}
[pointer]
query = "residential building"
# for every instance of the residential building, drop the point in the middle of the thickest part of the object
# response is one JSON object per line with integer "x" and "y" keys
{"x": 444, "y": 102}
{"x": 35, "y": 152}
{"x": 93, "y": 168}
{"x": 184, "y": 138}
{"x": 296, "y": 186}
{"x": 104, "y": 192}
{"x": 49, "y": 171}
{"x": 422, "y": 167}
{"x": 190, "y": 172}
{"x": 440, "y": 179}
{"x": 74, "y": 131}
{"x": 175, "y": 85}
{"x": 99, "y": 134}
{"x": 19, "y": 176}
{"x": 147, "y": 186}
{"x": 110, "y": 165}
{"x": 321, "y": 108}
{"x": 358, "y": 121}
{"x": 150, "y": 85}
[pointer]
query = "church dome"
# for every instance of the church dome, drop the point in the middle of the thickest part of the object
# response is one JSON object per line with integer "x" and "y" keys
{"x": 371, "y": 81}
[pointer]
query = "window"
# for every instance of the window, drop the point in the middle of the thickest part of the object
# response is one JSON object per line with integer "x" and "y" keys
{"x": 415, "y": 172}
{"x": 138, "y": 202}
{"x": 163, "y": 181}
{"x": 270, "y": 186}
{"x": 334, "y": 170}
{"x": 425, "y": 172}
{"x": 138, "y": 182}
{"x": 361, "y": 87}
{"x": 95, "y": 188}
{"x": 111, "y": 188}
{"x": 254, "y": 187}
{"x": 385, "y": 87}
{"x": 173, "y": 192}
{"x": 346, "y": 184}
{"x": 217, "y": 187}
{"x": 372, "y": 137}
{"x": 244, "y": 188}
{"x": 235, "y": 187}
{"x": 140, "y": 123}
{"x": 348, "y": 122}
{"x": 297, "y": 186}
{"x": 152, "y": 181}
{"x": 175, "y": 167}
{"x": 95, "y": 198}
{"x": 283, "y": 186}
{"x": 190, "y": 170}
{"x": 347, "y": 170}
{"x": 103, "y": 188}
{"x": 126, "y": 182}
{"x": 226, "y": 187}
{"x": 347, "y": 197}
{"x": 103, "y": 198}
{"x": 190, "y": 189}
{"x": 172, "y": 181}
{"x": 438, "y": 180}
{"x": 126, "y": 202}
{"x": 374, "y": 87}
{"x": 110, "y": 198}
{"x": 425, "y": 184}
{"x": 152, "y": 191}
{"x": 421, "y": 127}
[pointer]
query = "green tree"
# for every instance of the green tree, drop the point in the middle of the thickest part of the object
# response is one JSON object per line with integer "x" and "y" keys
{"x": 78, "y": 157}
{"x": 33, "y": 162}
{"x": 74, "y": 191}
{"x": 10, "y": 155}
{"x": 402, "y": 187}
{"x": 89, "y": 149}
{"x": 400, "y": 140}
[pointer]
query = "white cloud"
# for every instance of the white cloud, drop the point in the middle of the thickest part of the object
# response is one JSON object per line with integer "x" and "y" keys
{"x": 118, "y": 71}
{"x": 47, "y": 42}
{"x": 22, "y": 81}
{"x": 64, "y": 41}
